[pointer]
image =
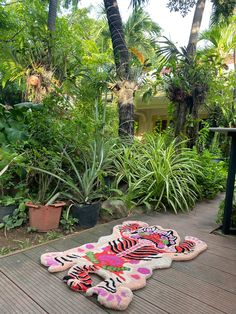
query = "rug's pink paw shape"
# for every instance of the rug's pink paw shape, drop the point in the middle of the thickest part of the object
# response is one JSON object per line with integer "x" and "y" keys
{"x": 50, "y": 259}
{"x": 199, "y": 245}
{"x": 58, "y": 261}
{"x": 117, "y": 300}
{"x": 125, "y": 259}
{"x": 188, "y": 249}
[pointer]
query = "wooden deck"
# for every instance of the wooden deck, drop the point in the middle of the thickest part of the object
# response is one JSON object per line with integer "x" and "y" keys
{"x": 204, "y": 285}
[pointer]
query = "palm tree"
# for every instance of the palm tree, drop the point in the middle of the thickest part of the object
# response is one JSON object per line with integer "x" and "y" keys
{"x": 222, "y": 10}
{"x": 52, "y": 15}
{"x": 187, "y": 86}
{"x": 124, "y": 88}
{"x": 196, "y": 24}
{"x": 120, "y": 50}
{"x": 141, "y": 34}
{"x": 138, "y": 3}
{"x": 222, "y": 39}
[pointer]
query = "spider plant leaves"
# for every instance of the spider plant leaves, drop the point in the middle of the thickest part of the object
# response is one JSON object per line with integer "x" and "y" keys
{"x": 160, "y": 173}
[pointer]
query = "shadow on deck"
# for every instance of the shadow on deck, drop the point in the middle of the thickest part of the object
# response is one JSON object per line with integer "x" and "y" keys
{"x": 205, "y": 285}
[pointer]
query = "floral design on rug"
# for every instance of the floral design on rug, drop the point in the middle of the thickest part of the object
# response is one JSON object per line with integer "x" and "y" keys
{"x": 125, "y": 259}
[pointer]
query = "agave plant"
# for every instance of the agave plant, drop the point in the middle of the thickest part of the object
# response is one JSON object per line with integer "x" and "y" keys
{"x": 82, "y": 185}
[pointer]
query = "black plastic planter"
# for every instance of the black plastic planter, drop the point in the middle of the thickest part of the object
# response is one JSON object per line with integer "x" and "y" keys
{"x": 87, "y": 214}
{"x": 7, "y": 210}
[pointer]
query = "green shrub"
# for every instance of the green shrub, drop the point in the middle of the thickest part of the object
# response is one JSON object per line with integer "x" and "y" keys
{"x": 220, "y": 213}
{"x": 213, "y": 178}
{"x": 159, "y": 174}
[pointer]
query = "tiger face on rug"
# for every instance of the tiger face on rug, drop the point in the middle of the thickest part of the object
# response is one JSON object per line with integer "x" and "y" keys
{"x": 125, "y": 259}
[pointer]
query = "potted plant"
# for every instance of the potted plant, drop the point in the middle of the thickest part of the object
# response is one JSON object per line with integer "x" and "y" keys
{"x": 45, "y": 217}
{"x": 44, "y": 211}
{"x": 83, "y": 187}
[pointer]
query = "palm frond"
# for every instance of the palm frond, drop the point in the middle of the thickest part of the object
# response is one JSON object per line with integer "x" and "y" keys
{"x": 138, "y": 3}
{"x": 222, "y": 10}
{"x": 141, "y": 31}
{"x": 168, "y": 51}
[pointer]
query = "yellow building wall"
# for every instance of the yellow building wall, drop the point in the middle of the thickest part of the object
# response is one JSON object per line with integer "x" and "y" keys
{"x": 148, "y": 113}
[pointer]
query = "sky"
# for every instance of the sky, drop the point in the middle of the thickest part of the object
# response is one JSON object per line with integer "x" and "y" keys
{"x": 174, "y": 26}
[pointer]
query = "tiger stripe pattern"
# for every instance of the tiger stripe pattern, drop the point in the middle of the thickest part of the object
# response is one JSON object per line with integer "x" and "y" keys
{"x": 125, "y": 259}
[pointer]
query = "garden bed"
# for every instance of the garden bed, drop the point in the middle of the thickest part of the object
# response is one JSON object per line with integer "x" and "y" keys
{"x": 20, "y": 238}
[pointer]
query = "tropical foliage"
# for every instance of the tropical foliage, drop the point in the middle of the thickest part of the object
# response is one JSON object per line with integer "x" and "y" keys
{"x": 159, "y": 173}
{"x": 62, "y": 73}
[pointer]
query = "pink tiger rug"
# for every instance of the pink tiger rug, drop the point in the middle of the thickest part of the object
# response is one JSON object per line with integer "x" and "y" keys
{"x": 125, "y": 259}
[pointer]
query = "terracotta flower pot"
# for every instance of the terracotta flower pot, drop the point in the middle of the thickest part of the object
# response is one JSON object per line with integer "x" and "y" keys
{"x": 45, "y": 217}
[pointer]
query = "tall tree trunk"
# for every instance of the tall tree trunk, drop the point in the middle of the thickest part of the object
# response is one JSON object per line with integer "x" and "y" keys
{"x": 125, "y": 93}
{"x": 52, "y": 16}
{"x": 181, "y": 110}
{"x": 120, "y": 50}
{"x": 192, "y": 130}
{"x": 195, "y": 29}
{"x": 124, "y": 89}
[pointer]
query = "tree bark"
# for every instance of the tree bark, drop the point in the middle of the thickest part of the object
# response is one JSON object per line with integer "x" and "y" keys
{"x": 124, "y": 89}
{"x": 52, "y": 15}
{"x": 181, "y": 110}
{"x": 195, "y": 29}
{"x": 120, "y": 50}
{"x": 192, "y": 131}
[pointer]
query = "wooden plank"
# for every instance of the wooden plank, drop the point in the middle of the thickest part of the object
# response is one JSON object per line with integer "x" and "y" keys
{"x": 14, "y": 300}
{"x": 221, "y": 263}
{"x": 198, "y": 289}
{"x": 66, "y": 244}
{"x": 222, "y": 251}
{"x": 85, "y": 237}
{"x": 35, "y": 253}
{"x": 45, "y": 288}
{"x": 172, "y": 300}
{"x": 140, "y": 305}
{"x": 208, "y": 274}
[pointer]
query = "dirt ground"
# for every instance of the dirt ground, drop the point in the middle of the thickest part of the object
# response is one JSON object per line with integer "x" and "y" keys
{"x": 20, "y": 238}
